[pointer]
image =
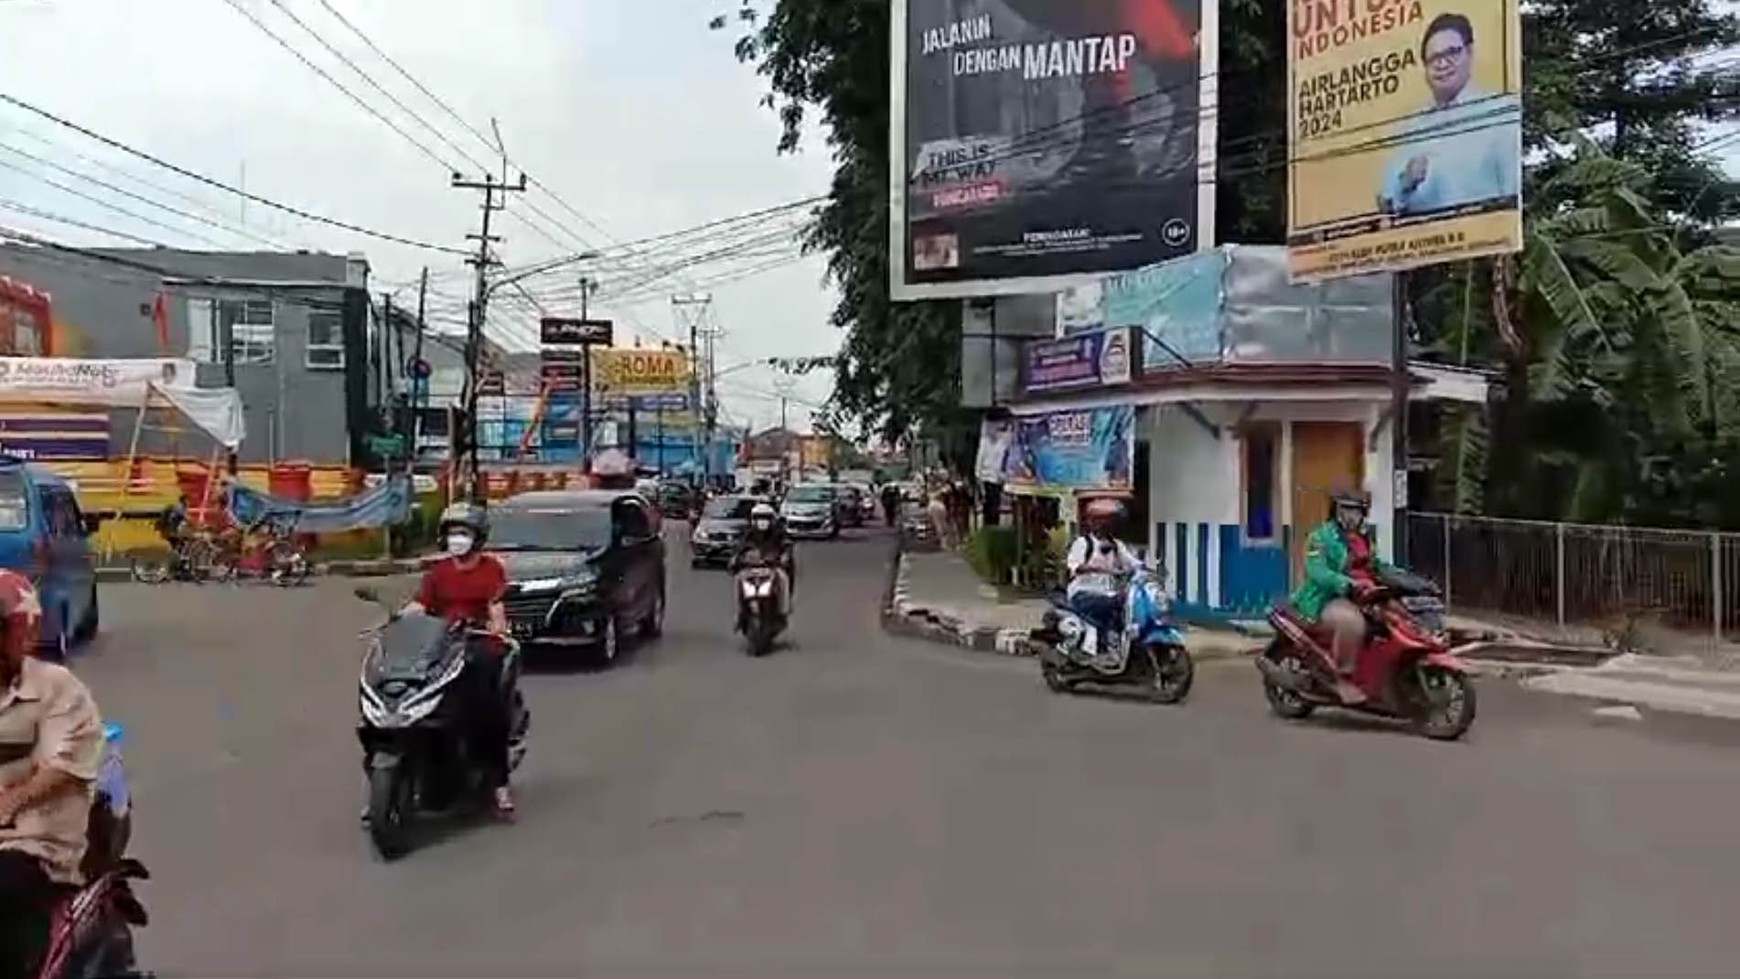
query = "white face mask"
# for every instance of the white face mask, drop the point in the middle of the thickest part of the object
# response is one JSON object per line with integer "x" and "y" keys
{"x": 459, "y": 545}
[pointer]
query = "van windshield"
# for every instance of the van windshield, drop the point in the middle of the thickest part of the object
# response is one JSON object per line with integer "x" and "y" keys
{"x": 14, "y": 500}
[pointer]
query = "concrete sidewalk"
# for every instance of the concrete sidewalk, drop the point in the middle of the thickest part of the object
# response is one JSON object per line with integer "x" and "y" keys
{"x": 1672, "y": 685}
{"x": 937, "y": 596}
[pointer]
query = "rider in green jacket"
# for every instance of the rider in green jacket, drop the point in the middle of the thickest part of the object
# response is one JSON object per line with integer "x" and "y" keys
{"x": 1341, "y": 562}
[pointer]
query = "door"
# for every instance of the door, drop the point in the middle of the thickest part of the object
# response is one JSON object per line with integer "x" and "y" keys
{"x": 62, "y": 545}
{"x": 81, "y": 569}
{"x": 1325, "y": 455}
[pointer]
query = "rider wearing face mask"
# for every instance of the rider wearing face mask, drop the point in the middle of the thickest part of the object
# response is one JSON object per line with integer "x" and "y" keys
{"x": 1097, "y": 561}
{"x": 467, "y": 586}
{"x": 767, "y": 539}
{"x": 51, "y": 746}
{"x": 1341, "y": 564}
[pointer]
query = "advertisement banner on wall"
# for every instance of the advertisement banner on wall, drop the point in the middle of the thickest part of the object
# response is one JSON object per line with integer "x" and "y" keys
{"x": 1405, "y": 134}
{"x": 1088, "y": 360}
{"x": 619, "y": 371}
{"x": 1090, "y": 449}
{"x": 996, "y": 438}
{"x": 122, "y": 383}
{"x": 1035, "y": 143}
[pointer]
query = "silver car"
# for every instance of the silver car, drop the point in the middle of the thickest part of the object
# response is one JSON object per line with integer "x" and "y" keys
{"x": 811, "y": 512}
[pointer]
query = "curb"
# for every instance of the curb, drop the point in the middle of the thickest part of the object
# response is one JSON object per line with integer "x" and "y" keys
{"x": 338, "y": 569}
{"x": 903, "y": 617}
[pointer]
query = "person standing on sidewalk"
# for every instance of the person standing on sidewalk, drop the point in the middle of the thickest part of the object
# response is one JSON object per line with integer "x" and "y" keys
{"x": 938, "y": 512}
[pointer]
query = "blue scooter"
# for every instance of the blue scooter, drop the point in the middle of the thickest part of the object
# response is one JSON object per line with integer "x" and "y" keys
{"x": 1148, "y": 651}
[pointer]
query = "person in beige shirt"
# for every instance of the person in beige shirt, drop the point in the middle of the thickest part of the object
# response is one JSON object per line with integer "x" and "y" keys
{"x": 51, "y": 746}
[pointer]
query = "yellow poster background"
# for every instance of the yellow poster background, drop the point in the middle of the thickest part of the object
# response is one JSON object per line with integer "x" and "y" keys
{"x": 1338, "y": 166}
{"x": 633, "y": 371}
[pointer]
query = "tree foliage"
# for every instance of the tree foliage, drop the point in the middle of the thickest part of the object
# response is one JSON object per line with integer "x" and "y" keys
{"x": 1617, "y": 328}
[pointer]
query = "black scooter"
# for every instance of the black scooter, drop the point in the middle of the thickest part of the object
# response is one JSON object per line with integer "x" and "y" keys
{"x": 758, "y": 604}
{"x": 415, "y": 735}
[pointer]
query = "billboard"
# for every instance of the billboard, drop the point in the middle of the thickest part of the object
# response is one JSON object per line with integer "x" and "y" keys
{"x": 1037, "y": 143}
{"x": 1090, "y": 449}
{"x": 1404, "y": 132}
{"x": 1083, "y": 361}
{"x": 634, "y": 371}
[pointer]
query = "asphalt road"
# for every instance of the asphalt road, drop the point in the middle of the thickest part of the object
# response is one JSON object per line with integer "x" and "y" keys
{"x": 864, "y": 806}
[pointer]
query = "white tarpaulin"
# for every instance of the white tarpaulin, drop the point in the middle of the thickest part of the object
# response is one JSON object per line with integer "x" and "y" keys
{"x": 68, "y": 380}
{"x": 216, "y": 410}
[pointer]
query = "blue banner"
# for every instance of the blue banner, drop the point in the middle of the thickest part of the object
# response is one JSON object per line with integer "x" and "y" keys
{"x": 1091, "y": 449}
{"x": 1088, "y": 360}
{"x": 382, "y": 506}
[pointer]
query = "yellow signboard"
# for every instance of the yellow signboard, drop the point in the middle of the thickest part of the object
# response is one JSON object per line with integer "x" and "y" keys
{"x": 1405, "y": 133}
{"x": 635, "y": 371}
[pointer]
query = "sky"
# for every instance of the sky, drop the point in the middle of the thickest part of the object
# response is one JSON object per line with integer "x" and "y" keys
{"x": 634, "y": 113}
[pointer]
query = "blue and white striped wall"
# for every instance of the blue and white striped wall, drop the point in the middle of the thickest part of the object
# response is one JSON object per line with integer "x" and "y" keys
{"x": 1213, "y": 572}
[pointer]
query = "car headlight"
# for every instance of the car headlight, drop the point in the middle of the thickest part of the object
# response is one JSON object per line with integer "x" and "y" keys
{"x": 567, "y": 582}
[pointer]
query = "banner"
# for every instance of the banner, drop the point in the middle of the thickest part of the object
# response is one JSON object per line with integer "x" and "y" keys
{"x": 383, "y": 506}
{"x": 1405, "y": 134}
{"x": 1034, "y": 142}
{"x": 1088, "y": 360}
{"x": 618, "y": 371}
{"x": 116, "y": 383}
{"x": 996, "y": 437}
{"x": 1091, "y": 449}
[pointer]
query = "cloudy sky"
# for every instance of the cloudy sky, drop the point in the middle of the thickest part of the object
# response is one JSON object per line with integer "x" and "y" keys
{"x": 632, "y": 112}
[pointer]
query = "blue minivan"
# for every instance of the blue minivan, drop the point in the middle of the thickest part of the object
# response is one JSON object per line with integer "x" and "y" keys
{"x": 44, "y": 535}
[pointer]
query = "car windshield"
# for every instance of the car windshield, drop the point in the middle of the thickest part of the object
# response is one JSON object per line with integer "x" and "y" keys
{"x": 549, "y": 529}
{"x": 730, "y": 508}
{"x": 14, "y": 508}
{"x": 810, "y": 494}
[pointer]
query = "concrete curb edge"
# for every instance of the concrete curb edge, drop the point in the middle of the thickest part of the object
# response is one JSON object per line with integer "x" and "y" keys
{"x": 378, "y": 568}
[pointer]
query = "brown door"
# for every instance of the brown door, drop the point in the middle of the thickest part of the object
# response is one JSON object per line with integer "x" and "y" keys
{"x": 1325, "y": 455}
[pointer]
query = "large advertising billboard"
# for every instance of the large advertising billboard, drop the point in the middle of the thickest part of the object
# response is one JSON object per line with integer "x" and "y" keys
{"x": 1038, "y": 143}
{"x": 616, "y": 371}
{"x": 1405, "y": 134}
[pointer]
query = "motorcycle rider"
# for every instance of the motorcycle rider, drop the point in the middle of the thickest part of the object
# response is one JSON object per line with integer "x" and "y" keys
{"x": 1341, "y": 565}
{"x": 467, "y": 586}
{"x": 51, "y": 749}
{"x": 1097, "y": 563}
{"x": 766, "y": 538}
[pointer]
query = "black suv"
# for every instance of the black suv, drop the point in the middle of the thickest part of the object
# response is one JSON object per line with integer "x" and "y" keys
{"x": 582, "y": 566}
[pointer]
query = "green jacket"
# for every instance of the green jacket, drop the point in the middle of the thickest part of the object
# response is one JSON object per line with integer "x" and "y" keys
{"x": 1326, "y": 569}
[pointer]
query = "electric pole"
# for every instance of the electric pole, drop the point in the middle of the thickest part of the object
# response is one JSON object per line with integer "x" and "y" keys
{"x": 693, "y": 312}
{"x": 494, "y": 199}
{"x": 586, "y": 287}
{"x": 419, "y": 385}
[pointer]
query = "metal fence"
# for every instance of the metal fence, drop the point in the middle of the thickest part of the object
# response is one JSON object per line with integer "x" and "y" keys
{"x": 1581, "y": 574}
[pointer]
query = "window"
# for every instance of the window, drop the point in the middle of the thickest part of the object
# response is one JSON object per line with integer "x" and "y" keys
{"x": 250, "y": 324}
{"x": 325, "y": 342}
{"x": 1260, "y": 479}
{"x": 14, "y": 503}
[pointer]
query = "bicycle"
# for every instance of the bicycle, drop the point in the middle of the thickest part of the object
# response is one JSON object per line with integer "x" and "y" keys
{"x": 265, "y": 547}
{"x": 191, "y": 559}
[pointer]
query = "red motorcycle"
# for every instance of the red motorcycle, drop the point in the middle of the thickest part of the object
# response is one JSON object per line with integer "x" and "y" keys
{"x": 1406, "y": 670}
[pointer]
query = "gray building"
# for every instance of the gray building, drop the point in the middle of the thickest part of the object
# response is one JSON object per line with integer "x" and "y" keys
{"x": 291, "y": 331}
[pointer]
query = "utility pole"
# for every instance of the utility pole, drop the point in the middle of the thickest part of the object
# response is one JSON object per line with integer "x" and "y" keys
{"x": 783, "y": 387}
{"x": 419, "y": 385}
{"x": 693, "y": 311}
{"x": 586, "y": 287}
{"x": 494, "y": 199}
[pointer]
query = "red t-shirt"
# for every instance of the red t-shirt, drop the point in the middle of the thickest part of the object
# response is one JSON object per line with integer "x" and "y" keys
{"x": 1358, "y": 557}
{"x": 460, "y": 594}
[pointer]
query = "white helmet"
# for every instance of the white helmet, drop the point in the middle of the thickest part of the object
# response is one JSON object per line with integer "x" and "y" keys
{"x": 762, "y": 516}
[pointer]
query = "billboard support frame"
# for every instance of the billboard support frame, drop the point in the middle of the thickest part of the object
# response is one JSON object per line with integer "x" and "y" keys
{"x": 1207, "y": 130}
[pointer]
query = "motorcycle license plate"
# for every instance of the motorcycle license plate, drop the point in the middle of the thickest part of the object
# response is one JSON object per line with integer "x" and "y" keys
{"x": 521, "y": 630}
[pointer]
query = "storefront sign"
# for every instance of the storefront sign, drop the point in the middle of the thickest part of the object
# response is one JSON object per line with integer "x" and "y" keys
{"x": 1088, "y": 360}
{"x": 1090, "y": 449}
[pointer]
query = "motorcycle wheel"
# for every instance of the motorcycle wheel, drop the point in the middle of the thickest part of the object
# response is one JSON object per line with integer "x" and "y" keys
{"x": 758, "y": 632}
{"x": 1283, "y": 702}
{"x": 150, "y": 572}
{"x": 1448, "y": 704}
{"x": 1171, "y": 674}
{"x": 390, "y": 811}
{"x": 1053, "y": 677}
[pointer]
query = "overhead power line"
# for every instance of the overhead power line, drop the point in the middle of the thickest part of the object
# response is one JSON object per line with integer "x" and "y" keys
{"x": 213, "y": 182}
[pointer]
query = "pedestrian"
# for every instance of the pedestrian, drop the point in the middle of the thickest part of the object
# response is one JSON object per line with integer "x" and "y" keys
{"x": 938, "y": 512}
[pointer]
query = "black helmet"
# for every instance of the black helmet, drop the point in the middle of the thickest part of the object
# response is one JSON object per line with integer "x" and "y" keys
{"x": 467, "y": 515}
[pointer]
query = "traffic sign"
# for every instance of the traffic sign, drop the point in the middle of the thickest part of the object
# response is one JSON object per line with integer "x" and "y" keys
{"x": 389, "y": 446}
{"x": 572, "y": 330}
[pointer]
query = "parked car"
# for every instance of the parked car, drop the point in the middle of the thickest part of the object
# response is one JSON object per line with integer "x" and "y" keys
{"x": 723, "y": 523}
{"x": 583, "y": 566}
{"x": 44, "y": 535}
{"x": 811, "y": 511}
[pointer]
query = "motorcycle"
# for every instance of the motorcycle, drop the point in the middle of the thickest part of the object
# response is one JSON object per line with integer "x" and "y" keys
{"x": 90, "y": 932}
{"x": 1406, "y": 669}
{"x": 1147, "y": 652}
{"x": 759, "y": 616}
{"x": 414, "y": 730}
